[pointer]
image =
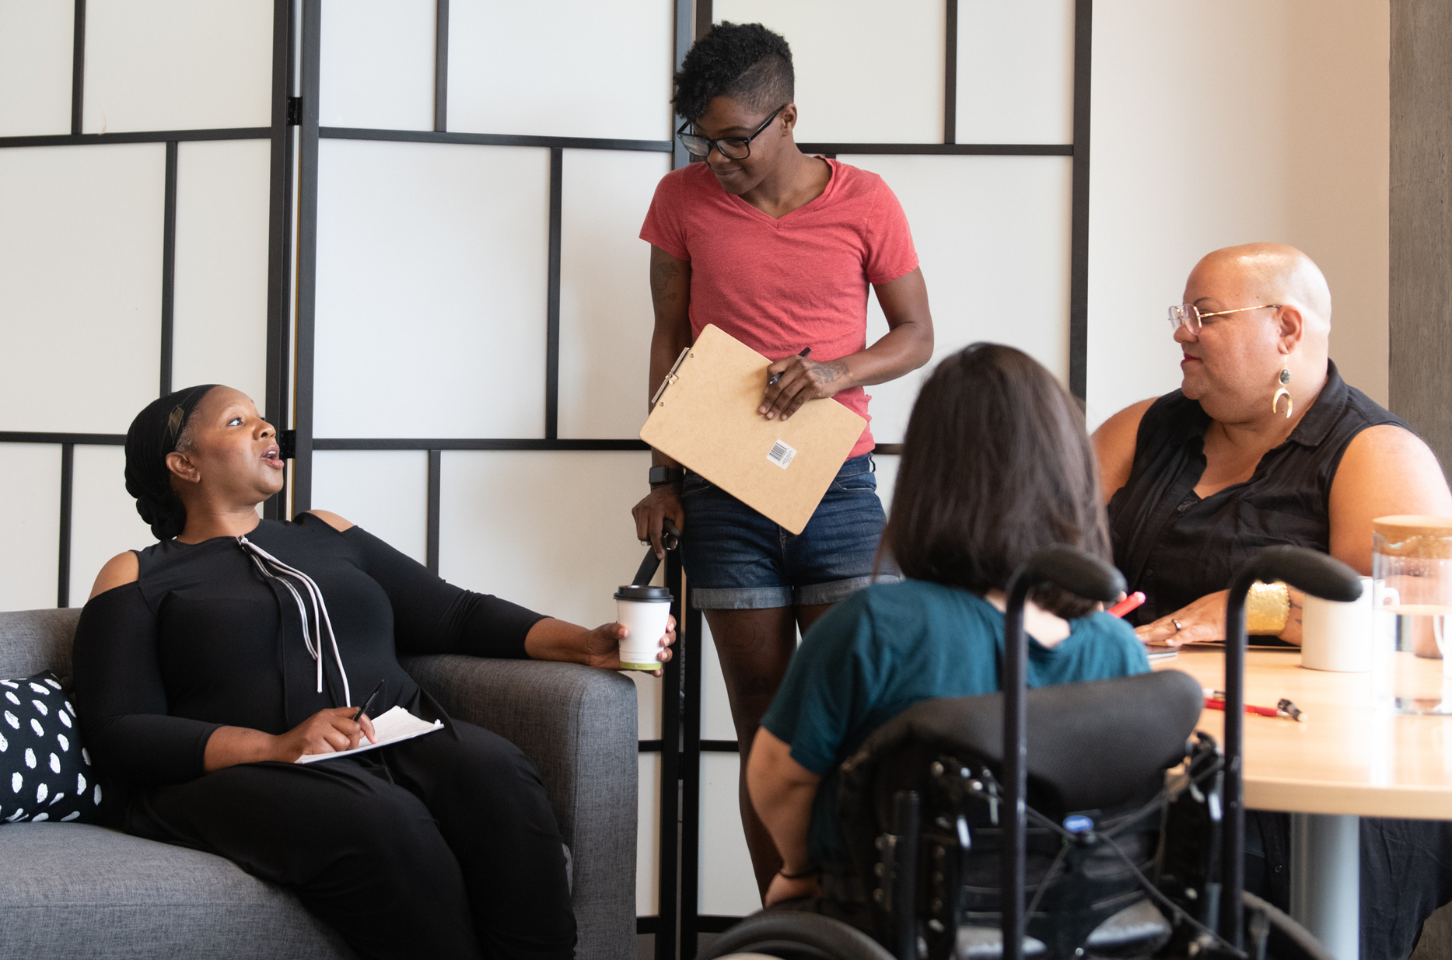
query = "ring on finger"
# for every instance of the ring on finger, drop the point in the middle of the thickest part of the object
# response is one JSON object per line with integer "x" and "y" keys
{"x": 1176, "y": 624}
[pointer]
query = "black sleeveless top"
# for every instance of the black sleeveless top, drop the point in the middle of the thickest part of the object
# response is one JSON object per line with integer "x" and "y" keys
{"x": 203, "y": 640}
{"x": 1176, "y": 547}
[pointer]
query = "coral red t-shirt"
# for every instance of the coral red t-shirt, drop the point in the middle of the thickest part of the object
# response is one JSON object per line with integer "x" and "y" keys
{"x": 782, "y": 285}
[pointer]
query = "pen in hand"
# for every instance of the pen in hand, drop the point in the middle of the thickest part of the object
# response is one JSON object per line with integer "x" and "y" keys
{"x": 368, "y": 705}
{"x": 778, "y": 376}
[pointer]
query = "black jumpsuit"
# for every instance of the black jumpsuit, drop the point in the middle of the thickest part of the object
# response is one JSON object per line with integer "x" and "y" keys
{"x": 442, "y": 846}
{"x": 1177, "y": 547}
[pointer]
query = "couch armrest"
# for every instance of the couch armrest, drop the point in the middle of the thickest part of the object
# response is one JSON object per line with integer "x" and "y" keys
{"x": 578, "y": 726}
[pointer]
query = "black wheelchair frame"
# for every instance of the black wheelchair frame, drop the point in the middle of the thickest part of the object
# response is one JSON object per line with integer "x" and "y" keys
{"x": 921, "y": 887}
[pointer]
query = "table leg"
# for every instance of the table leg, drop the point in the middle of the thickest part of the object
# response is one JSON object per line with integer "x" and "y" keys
{"x": 1325, "y": 880}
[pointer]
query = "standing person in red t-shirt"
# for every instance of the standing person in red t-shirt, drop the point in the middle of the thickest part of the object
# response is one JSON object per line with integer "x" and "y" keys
{"x": 778, "y": 249}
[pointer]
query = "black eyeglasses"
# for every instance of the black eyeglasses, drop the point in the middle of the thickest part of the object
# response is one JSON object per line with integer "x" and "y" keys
{"x": 733, "y": 148}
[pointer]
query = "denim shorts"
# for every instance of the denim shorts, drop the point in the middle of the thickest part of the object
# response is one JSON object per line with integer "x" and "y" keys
{"x": 737, "y": 559}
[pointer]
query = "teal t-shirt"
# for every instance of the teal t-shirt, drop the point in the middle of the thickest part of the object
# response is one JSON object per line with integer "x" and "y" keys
{"x": 890, "y": 646}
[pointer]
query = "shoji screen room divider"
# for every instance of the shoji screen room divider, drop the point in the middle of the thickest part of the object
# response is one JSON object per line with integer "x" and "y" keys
{"x": 409, "y": 227}
{"x": 143, "y": 173}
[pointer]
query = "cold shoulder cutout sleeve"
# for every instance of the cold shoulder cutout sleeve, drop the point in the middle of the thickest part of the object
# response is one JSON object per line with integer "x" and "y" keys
{"x": 121, "y": 702}
{"x": 433, "y": 616}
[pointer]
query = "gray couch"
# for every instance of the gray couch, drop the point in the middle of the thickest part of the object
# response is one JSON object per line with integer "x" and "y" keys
{"x": 74, "y": 890}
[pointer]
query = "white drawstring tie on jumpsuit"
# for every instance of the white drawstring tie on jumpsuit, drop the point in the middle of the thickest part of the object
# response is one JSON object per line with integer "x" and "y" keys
{"x": 263, "y": 561}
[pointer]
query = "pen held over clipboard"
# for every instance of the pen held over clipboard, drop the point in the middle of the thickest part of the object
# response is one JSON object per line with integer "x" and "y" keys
{"x": 778, "y": 376}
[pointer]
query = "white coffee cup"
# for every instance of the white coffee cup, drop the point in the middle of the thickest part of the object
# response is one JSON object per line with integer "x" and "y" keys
{"x": 643, "y": 611}
{"x": 1339, "y": 636}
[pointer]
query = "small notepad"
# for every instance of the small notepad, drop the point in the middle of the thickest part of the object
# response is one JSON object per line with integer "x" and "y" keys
{"x": 392, "y": 726}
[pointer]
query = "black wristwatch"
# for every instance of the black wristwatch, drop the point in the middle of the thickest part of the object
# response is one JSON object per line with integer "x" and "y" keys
{"x": 660, "y": 476}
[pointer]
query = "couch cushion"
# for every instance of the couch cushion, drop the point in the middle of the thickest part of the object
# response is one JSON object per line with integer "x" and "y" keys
{"x": 36, "y": 640}
{"x": 45, "y": 773}
{"x": 70, "y": 889}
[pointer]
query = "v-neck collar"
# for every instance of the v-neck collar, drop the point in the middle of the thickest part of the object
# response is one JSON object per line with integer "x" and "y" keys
{"x": 778, "y": 221}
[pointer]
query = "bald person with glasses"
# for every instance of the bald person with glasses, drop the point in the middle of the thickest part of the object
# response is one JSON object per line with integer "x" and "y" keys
{"x": 1264, "y": 444}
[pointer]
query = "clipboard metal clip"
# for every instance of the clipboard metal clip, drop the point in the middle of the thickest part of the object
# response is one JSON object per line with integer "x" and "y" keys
{"x": 671, "y": 376}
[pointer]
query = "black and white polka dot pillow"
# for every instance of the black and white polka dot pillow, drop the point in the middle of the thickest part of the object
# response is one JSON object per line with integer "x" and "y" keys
{"x": 45, "y": 772}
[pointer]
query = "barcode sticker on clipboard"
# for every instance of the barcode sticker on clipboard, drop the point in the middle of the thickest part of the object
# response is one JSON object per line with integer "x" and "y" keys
{"x": 781, "y": 454}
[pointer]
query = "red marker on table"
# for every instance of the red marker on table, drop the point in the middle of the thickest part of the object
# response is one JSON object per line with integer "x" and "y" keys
{"x": 1217, "y": 700}
{"x": 1125, "y": 606}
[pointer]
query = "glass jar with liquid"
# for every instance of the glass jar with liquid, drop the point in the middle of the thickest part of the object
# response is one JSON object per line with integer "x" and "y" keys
{"x": 1413, "y": 591}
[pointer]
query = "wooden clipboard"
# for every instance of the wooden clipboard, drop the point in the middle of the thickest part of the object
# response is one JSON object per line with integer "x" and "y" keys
{"x": 705, "y": 417}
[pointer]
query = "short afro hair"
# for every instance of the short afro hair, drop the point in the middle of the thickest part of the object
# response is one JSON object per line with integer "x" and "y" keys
{"x": 744, "y": 61}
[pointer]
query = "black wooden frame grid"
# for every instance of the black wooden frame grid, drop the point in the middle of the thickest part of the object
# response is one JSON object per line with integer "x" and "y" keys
{"x": 292, "y": 259}
{"x": 279, "y": 267}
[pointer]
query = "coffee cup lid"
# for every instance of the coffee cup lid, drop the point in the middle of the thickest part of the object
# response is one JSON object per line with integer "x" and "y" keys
{"x": 651, "y": 594}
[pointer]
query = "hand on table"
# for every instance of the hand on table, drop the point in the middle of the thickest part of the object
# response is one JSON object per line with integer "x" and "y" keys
{"x": 603, "y": 645}
{"x": 327, "y": 731}
{"x": 1203, "y": 620}
{"x": 782, "y": 889}
{"x": 801, "y": 380}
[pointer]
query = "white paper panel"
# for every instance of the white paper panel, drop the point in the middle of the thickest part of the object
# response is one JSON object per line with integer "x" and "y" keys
{"x": 431, "y": 290}
{"x": 30, "y": 482}
{"x": 648, "y": 705}
{"x": 724, "y": 872}
{"x": 716, "y": 710}
{"x": 177, "y": 64}
{"x": 377, "y": 67}
{"x": 104, "y": 521}
{"x": 1303, "y": 74}
{"x": 993, "y": 235}
{"x": 80, "y": 285}
{"x": 35, "y": 67}
{"x": 605, "y": 296}
{"x": 864, "y": 71}
{"x": 648, "y": 837}
{"x": 571, "y": 68}
{"x": 1016, "y": 71}
{"x": 384, "y": 491}
{"x": 220, "y": 306}
{"x": 552, "y": 531}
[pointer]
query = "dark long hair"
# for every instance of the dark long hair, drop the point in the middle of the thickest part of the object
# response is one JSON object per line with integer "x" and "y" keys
{"x": 996, "y": 466}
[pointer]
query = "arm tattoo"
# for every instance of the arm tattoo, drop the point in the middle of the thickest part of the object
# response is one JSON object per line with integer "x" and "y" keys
{"x": 831, "y": 372}
{"x": 662, "y": 274}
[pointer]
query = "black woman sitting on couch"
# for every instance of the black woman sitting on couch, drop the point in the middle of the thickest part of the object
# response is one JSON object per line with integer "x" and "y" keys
{"x": 208, "y": 663}
{"x": 996, "y": 466}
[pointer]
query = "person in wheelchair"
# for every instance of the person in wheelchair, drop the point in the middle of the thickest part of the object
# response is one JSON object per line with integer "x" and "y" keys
{"x": 996, "y": 466}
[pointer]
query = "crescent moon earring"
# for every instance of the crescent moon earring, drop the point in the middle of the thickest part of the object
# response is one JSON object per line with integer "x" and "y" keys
{"x": 1283, "y": 379}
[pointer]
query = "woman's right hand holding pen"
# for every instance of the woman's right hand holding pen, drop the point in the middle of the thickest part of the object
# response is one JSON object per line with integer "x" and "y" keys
{"x": 796, "y": 380}
{"x": 327, "y": 731}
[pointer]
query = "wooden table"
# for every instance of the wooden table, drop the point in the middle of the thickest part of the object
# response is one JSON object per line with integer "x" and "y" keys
{"x": 1348, "y": 760}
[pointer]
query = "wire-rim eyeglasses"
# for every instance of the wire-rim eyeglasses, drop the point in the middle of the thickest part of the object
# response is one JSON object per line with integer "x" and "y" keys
{"x": 1187, "y": 315}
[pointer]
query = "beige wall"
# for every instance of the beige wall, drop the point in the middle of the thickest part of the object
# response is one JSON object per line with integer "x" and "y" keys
{"x": 1216, "y": 122}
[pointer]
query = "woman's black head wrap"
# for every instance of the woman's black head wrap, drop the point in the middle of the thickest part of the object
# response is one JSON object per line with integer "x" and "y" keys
{"x": 154, "y": 434}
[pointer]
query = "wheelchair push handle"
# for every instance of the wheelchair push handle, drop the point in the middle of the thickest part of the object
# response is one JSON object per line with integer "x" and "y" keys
{"x": 1074, "y": 571}
{"x": 1086, "y": 576}
{"x": 670, "y": 537}
{"x": 1313, "y": 573}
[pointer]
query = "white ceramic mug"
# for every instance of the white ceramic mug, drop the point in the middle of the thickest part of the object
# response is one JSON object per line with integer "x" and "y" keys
{"x": 1339, "y": 636}
{"x": 643, "y": 612}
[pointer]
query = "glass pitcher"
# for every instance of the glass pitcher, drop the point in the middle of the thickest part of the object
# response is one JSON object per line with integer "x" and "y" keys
{"x": 1413, "y": 583}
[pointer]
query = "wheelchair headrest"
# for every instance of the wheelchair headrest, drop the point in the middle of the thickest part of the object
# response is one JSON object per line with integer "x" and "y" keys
{"x": 1097, "y": 745}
